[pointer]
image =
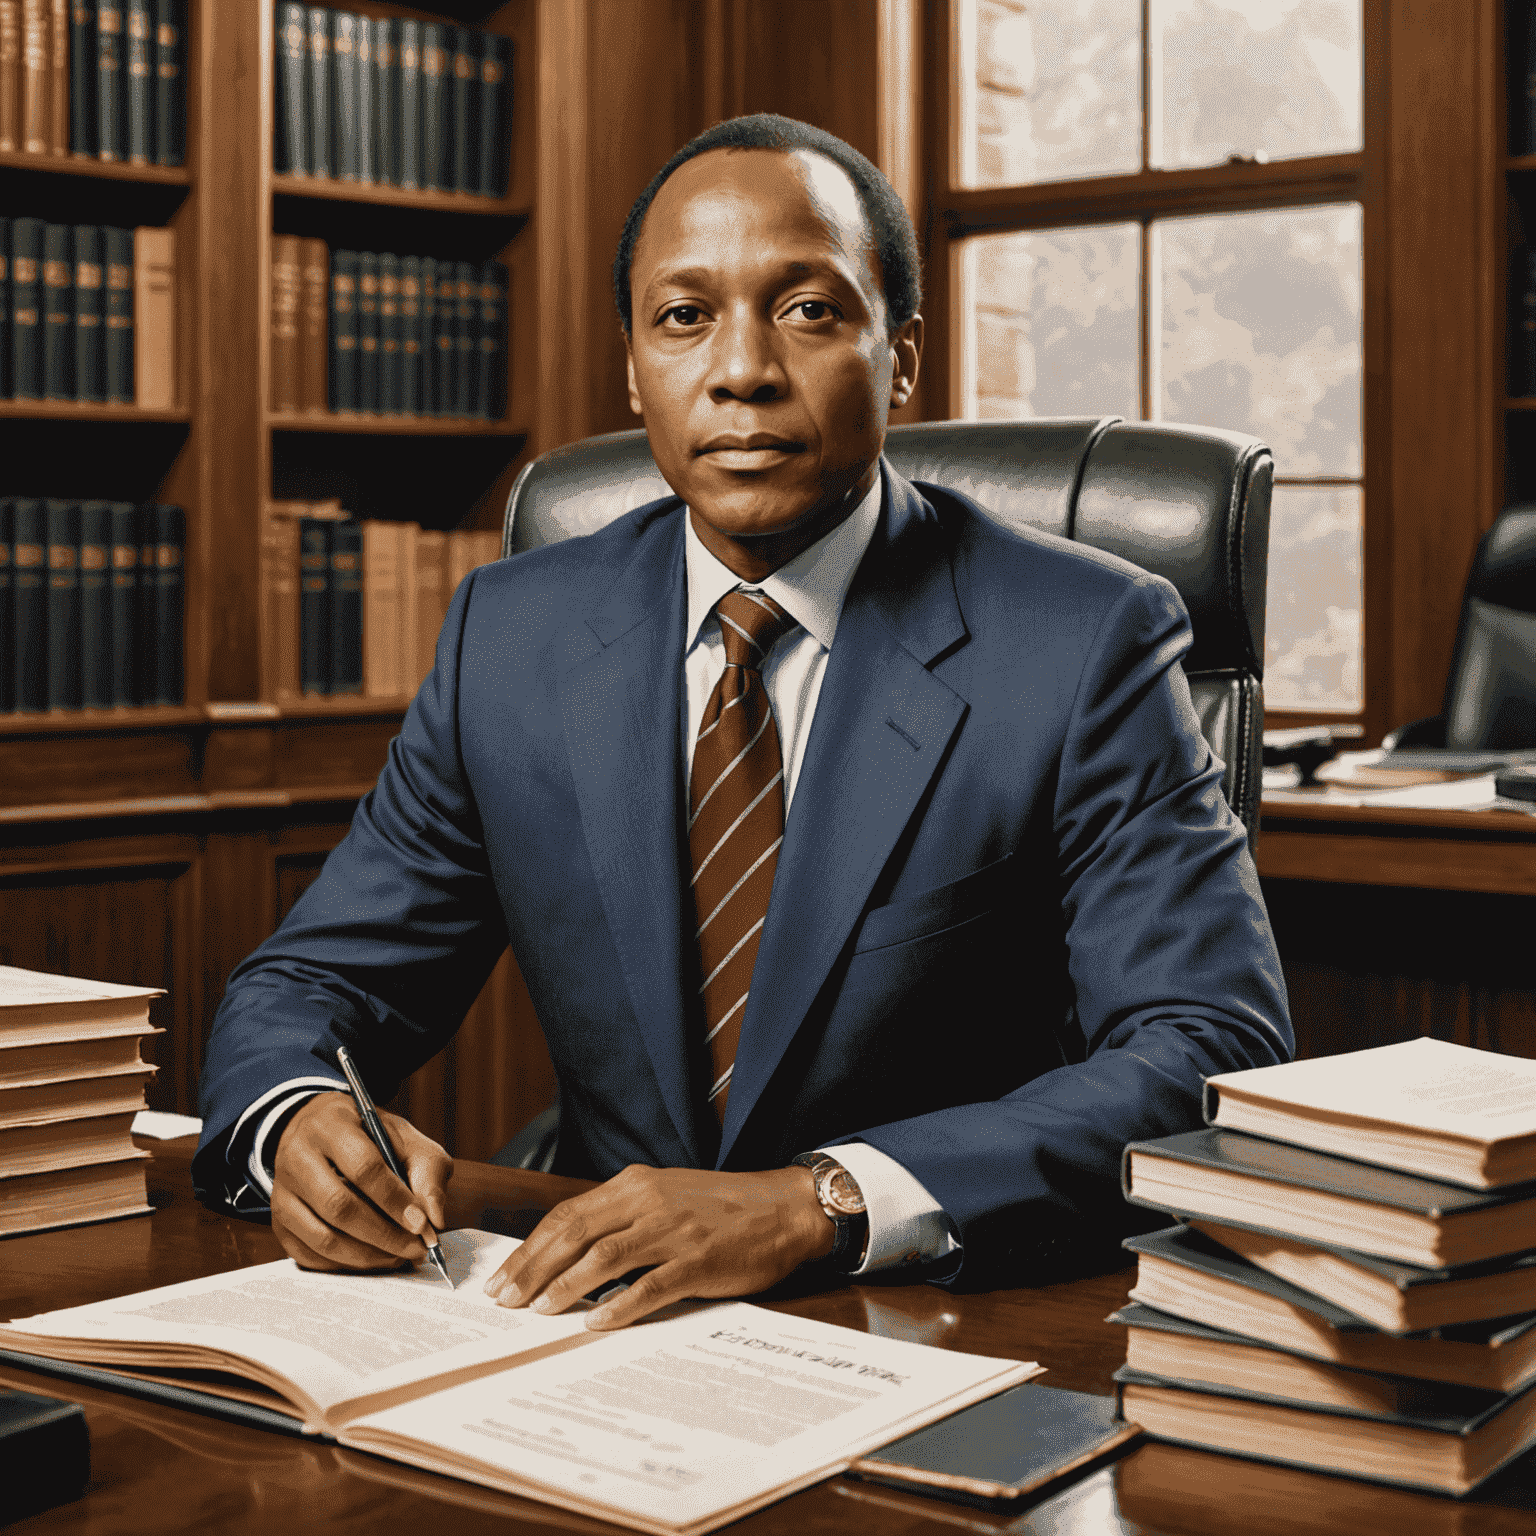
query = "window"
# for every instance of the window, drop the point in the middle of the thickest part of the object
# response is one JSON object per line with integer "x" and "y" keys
{"x": 1160, "y": 209}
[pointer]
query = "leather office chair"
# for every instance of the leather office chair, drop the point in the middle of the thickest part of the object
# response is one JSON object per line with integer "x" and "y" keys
{"x": 1490, "y": 692}
{"x": 1187, "y": 503}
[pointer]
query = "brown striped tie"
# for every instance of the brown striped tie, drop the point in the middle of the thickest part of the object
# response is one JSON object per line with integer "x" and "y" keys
{"x": 735, "y": 823}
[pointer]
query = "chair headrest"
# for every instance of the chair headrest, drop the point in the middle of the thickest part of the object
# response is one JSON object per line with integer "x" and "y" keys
{"x": 1504, "y": 570}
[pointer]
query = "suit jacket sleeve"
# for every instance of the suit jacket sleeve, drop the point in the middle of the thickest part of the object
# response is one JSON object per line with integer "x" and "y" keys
{"x": 1172, "y": 967}
{"x": 383, "y": 953}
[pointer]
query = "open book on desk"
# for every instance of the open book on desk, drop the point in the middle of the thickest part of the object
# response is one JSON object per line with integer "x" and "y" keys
{"x": 675, "y": 1425}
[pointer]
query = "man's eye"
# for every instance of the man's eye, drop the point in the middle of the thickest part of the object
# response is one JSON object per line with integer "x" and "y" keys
{"x": 813, "y": 309}
{"x": 684, "y": 314}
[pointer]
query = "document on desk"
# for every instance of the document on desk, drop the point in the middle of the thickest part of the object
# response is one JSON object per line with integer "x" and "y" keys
{"x": 674, "y": 1425}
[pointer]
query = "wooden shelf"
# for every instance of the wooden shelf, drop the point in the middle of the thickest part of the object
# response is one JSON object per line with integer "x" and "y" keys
{"x": 384, "y": 196}
{"x": 370, "y": 424}
{"x": 1520, "y": 163}
{"x": 87, "y": 722}
{"x": 1520, "y": 403}
{"x": 340, "y": 707}
{"x": 106, "y": 170}
{"x": 70, "y": 410}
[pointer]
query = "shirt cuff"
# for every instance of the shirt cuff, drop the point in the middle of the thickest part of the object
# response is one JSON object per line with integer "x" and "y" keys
{"x": 906, "y": 1224}
{"x": 272, "y": 1107}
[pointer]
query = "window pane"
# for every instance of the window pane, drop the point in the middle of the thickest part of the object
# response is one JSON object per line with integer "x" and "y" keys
{"x": 1312, "y": 633}
{"x": 1276, "y": 78}
{"x": 1049, "y": 89}
{"x": 1050, "y": 323}
{"x": 1261, "y": 331}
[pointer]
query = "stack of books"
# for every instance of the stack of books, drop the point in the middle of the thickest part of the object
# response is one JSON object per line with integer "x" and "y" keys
{"x": 103, "y": 79}
{"x": 71, "y": 1081}
{"x": 87, "y": 313}
{"x": 1352, "y": 1286}
{"x": 402, "y": 102}
{"x": 91, "y": 598}
{"x": 349, "y": 607}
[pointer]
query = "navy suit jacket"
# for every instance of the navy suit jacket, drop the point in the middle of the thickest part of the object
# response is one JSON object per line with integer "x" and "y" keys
{"x": 1013, "y": 923}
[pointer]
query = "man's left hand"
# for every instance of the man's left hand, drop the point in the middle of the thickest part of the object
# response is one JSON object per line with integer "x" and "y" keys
{"x": 705, "y": 1233}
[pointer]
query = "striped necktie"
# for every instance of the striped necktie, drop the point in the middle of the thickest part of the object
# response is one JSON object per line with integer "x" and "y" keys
{"x": 735, "y": 823}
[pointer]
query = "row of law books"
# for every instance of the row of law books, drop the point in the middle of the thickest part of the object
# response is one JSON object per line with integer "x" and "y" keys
{"x": 104, "y": 79}
{"x": 72, "y": 1078}
{"x": 401, "y": 102}
{"x": 91, "y": 600}
{"x": 349, "y": 607}
{"x": 402, "y": 335}
{"x": 87, "y": 313}
{"x": 1352, "y": 1283}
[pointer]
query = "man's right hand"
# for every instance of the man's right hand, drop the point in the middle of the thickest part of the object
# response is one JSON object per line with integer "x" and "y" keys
{"x": 326, "y": 1164}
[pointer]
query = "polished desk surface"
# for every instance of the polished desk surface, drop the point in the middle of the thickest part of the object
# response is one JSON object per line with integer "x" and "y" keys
{"x": 157, "y": 1469}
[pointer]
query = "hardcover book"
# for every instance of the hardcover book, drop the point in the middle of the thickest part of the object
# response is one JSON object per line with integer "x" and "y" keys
{"x": 62, "y": 523}
{"x": 166, "y": 525}
{"x": 29, "y": 604}
{"x": 495, "y": 113}
{"x": 58, "y": 312}
{"x": 58, "y": 77}
{"x": 490, "y": 394}
{"x": 386, "y": 103}
{"x": 290, "y": 117}
{"x": 154, "y": 311}
{"x": 436, "y": 104}
{"x": 140, "y": 84}
{"x": 123, "y": 602}
{"x": 344, "y": 101}
{"x": 466, "y": 337}
{"x": 367, "y": 111}
{"x": 117, "y": 246}
{"x": 111, "y": 89}
{"x": 90, "y": 315}
{"x": 170, "y": 83}
{"x": 346, "y": 638}
{"x": 463, "y": 174}
{"x": 10, "y": 76}
{"x": 96, "y": 604}
{"x": 285, "y": 363}
{"x": 391, "y": 387}
{"x": 407, "y": 153}
{"x": 314, "y": 607}
{"x": 35, "y": 95}
{"x": 410, "y": 335}
{"x": 82, "y": 77}
{"x": 314, "y": 325}
{"x": 317, "y": 115}
{"x": 26, "y": 309}
{"x": 368, "y": 331}
{"x": 344, "y": 331}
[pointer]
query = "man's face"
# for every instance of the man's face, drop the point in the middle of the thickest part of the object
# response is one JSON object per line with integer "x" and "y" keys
{"x": 759, "y": 355}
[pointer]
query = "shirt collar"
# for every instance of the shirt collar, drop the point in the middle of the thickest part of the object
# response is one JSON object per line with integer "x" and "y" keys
{"x": 810, "y": 588}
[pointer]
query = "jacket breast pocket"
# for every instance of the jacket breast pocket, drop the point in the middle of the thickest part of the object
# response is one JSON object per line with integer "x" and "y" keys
{"x": 930, "y": 912}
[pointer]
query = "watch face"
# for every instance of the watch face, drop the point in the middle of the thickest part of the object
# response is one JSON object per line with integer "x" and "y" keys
{"x": 842, "y": 1192}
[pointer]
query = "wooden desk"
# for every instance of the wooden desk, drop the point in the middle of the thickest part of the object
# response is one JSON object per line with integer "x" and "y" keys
{"x": 158, "y": 1469}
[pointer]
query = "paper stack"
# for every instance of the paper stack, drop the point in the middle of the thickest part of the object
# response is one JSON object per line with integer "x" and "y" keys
{"x": 1352, "y": 1286}
{"x": 71, "y": 1081}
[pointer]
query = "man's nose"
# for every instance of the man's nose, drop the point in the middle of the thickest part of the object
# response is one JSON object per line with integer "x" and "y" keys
{"x": 745, "y": 364}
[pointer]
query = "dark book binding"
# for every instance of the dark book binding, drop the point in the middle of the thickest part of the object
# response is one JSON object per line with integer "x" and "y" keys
{"x": 29, "y": 604}
{"x": 494, "y": 117}
{"x": 491, "y": 357}
{"x": 466, "y": 337}
{"x": 170, "y": 83}
{"x": 344, "y": 330}
{"x": 96, "y": 604}
{"x": 139, "y": 83}
{"x": 90, "y": 315}
{"x": 111, "y": 89}
{"x": 410, "y": 335}
{"x": 367, "y": 111}
{"x": 386, "y": 103}
{"x": 463, "y": 174}
{"x": 117, "y": 248}
{"x": 5, "y": 308}
{"x": 290, "y": 146}
{"x": 318, "y": 115}
{"x": 123, "y": 601}
{"x": 346, "y": 608}
{"x": 435, "y": 102}
{"x": 444, "y": 350}
{"x": 314, "y": 606}
{"x": 47, "y": 1452}
{"x": 82, "y": 78}
{"x": 166, "y": 526}
{"x": 7, "y": 606}
{"x": 27, "y": 309}
{"x": 367, "y": 331}
{"x": 406, "y": 154}
{"x": 428, "y": 336}
{"x": 343, "y": 49}
{"x": 63, "y": 531}
{"x": 58, "y": 312}
{"x": 391, "y": 383}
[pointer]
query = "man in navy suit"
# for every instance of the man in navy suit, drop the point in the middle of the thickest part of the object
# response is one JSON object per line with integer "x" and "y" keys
{"x": 1007, "y": 923}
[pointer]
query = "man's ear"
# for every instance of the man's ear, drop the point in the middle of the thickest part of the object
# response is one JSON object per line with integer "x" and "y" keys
{"x": 629, "y": 368}
{"x": 906, "y": 356}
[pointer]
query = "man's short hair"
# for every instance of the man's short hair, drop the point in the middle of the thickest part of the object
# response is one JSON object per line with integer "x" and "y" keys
{"x": 893, "y": 241}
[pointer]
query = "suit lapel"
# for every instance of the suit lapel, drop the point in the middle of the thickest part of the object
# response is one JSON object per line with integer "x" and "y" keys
{"x": 883, "y": 725}
{"x": 621, "y": 709}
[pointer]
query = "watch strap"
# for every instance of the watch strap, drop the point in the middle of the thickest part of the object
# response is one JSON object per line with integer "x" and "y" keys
{"x": 851, "y": 1229}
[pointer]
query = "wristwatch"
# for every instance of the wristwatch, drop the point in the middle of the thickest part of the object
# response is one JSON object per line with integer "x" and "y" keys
{"x": 842, "y": 1200}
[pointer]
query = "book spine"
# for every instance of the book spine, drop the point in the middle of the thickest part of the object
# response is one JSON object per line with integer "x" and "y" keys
{"x": 90, "y": 313}
{"x": 7, "y": 606}
{"x": 34, "y": 77}
{"x": 290, "y": 133}
{"x": 169, "y": 530}
{"x": 63, "y": 526}
{"x": 343, "y": 331}
{"x": 367, "y": 113}
{"x": 5, "y": 308}
{"x": 144, "y": 608}
{"x": 343, "y": 48}
{"x": 444, "y": 355}
{"x": 277, "y": 578}
{"x": 434, "y": 66}
{"x": 386, "y": 103}
{"x": 428, "y": 336}
{"x": 346, "y": 608}
{"x": 464, "y": 175}
{"x": 82, "y": 78}
{"x": 318, "y": 116}
{"x": 314, "y": 607}
{"x": 123, "y": 603}
{"x": 140, "y": 83}
{"x": 491, "y": 388}
{"x": 58, "y": 77}
{"x": 410, "y": 335}
{"x": 391, "y": 389}
{"x": 495, "y": 93}
{"x": 407, "y": 131}
{"x": 26, "y": 309}
{"x": 367, "y": 331}
{"x": 314, "y": 325}
{"x": 154, "y": 317}
{"x": 170, "y": 83}
{"x": 96, "y": 604}
{"x": 29, "y": 596}
{"x": 285, "y": 349}
{"x": 381, "y": 618}
{"x": 431, "y": 558}
{"x": 111, "y": 95}
{"x": 405, "y": 650}
{"x": 117, "y": 245}
{"x": 58, "y": 312}
{"x": 466, "y": 337}
{"x": 10, "y": 76}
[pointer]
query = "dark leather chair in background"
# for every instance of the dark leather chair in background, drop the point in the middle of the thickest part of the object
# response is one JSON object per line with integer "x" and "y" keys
{"x": 1490, "y": 693}
{"x": 1187, "y": 503}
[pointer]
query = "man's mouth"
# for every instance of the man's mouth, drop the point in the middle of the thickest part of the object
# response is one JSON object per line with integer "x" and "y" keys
{"x": 749, "y": 450}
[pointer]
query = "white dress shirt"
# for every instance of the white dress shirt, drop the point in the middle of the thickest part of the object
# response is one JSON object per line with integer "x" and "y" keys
{"x": 905, "y": 1223}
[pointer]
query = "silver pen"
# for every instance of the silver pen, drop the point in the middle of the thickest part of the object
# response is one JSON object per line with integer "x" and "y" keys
{"x": 380, "y": 1137}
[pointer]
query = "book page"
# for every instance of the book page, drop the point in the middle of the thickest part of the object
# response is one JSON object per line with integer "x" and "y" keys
{"x": 322, "y": 1339}
{"x": 20, "y": 988}
{"x": 683, "y": 1422}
